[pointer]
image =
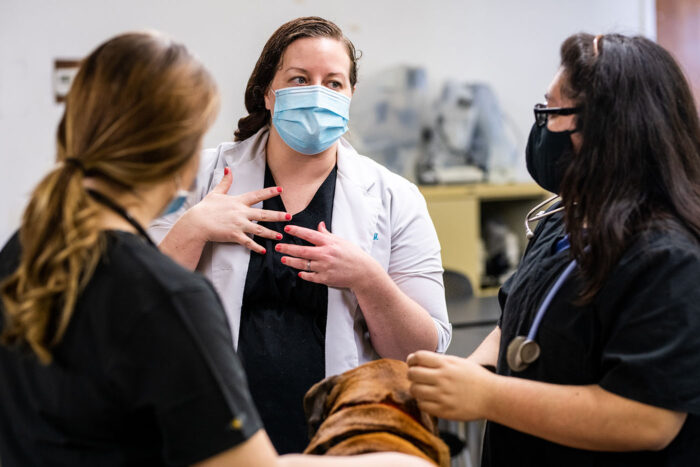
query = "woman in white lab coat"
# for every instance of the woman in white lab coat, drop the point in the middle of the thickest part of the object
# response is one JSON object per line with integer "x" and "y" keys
{"x": 345, "y": 263}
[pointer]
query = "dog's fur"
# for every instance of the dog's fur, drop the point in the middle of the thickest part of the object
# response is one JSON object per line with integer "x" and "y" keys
{"x": 370, "y": 409}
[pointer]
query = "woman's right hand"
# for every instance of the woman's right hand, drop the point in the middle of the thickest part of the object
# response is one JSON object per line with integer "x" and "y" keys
{"x": 228, "y": 219}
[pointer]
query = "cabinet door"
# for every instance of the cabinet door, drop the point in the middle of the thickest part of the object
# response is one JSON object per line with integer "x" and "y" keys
{"x": 457, "y": 223}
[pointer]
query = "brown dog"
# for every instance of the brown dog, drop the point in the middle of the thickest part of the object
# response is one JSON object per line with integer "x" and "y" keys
{"x": 370, "y": 409}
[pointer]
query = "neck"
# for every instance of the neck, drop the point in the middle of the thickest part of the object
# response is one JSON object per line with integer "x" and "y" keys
{"x": 290, "y": 167}
{"x": 143, "y": 204}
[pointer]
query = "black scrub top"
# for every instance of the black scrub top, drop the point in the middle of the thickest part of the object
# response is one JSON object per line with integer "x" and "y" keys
{"x": 283, "y": 326}
{"x": 639, "y": 338}
{"x": 144, "y": 375}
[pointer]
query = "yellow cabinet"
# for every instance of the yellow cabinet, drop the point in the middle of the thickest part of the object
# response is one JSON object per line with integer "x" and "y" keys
{"x": 458, "y": 212}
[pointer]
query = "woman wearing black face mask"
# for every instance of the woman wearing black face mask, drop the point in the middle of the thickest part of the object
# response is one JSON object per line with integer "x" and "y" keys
{"x": 597, "y": 349}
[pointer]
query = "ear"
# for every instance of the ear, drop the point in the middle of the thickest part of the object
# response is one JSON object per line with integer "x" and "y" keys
{"x": 315, "y": 403}
{"x": 269, "y": 98}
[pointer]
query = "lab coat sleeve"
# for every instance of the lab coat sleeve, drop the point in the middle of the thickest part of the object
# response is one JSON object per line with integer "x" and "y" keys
{"x": 160, "y": 227}
{"x": 415, "y": 264}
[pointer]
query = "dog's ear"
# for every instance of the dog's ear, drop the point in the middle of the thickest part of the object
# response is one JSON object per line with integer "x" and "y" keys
{"x": 315, "y": 403}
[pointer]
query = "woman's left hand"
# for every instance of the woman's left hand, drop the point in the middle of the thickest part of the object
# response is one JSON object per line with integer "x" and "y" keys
{"x": 447, "y": 386}
{"x": 331, "y": 260}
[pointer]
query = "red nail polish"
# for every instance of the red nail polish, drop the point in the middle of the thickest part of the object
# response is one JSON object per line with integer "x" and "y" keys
{"x": 279, "y": 236}
{"x": 279, "y": 189}
{"x": 264, "y": 251}
{"x": 287, "y": 228}
{"x": 284, "y": 260}
{"x": 299, "y": 274}
{"x": 288, "y": 216}
{"x": 278, "y": 247}
{"x": 226, "y": 171}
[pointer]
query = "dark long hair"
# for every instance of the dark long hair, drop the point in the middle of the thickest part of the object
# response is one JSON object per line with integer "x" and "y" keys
{"x": 269, "y": 61}
{"x": 640, "y": 157}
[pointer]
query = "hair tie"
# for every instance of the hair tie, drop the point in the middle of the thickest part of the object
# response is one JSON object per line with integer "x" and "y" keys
{"x": 75, "y": 162}
{"x": 595, "y": 44}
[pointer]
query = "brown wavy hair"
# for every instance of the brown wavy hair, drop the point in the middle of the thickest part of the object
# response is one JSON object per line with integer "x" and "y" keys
{"x": 134, "y": 116}
{"x": 269, "y": 62}
{"x": 639, "y": 162}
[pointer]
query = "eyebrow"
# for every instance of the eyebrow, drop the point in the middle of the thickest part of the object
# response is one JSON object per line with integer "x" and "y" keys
{"x": 296, "y": 68}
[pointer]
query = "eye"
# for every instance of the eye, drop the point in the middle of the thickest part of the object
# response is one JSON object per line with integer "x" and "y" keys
{"x": 335, "y": 85}
{"x": 298, "y": 80}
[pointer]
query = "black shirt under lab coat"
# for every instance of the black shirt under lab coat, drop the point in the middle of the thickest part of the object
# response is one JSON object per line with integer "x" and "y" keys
{"x": 639, "y": 338}
{"x": 283, "y": 326}
{"x": 144, "y": 375}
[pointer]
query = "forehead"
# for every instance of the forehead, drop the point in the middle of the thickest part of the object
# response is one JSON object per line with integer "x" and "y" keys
{"x": 556, "y": 87}
{"x": 317, "y": 54}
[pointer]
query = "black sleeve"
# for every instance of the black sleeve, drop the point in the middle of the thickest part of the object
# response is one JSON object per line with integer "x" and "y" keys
{"x": 651, "y": 352}
{"x": 180, "y": 364}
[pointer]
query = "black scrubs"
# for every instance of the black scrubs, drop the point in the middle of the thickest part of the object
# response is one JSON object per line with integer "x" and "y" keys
{"x": 144, "y": 375}
{"x": 283, "y": 326}
{"x": 639, "y": 338}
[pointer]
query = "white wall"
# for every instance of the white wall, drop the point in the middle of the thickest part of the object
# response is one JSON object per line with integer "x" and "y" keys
{"x": 512, "y": 44}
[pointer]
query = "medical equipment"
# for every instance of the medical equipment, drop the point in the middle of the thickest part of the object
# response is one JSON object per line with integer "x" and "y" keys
{"x": 523, "y": 350}
{"x": 468, "y": 139}
{"x": 532, "y": 217}
{"x": 388, "y": 112}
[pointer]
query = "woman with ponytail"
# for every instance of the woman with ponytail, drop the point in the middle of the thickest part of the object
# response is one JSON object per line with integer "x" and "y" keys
{"x": 111, "y": 353}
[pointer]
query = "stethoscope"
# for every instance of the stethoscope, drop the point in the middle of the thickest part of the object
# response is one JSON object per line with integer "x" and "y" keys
{"x": 523, "y": 350}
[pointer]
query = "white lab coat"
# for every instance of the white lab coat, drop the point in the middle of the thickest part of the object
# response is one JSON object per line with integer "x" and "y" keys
{"x": 373, "y": 208}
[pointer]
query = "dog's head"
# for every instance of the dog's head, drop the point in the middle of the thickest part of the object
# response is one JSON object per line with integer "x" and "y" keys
{"x": 370, "y": 409}
{"x": 382, "y": 381}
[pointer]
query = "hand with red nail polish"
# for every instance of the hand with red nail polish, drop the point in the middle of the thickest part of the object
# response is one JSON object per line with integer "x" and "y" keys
{"x": 220, "y": 217}
{"x": 335, "y": 261}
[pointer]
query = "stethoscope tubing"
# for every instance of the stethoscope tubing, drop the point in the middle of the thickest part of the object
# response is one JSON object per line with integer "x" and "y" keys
{"x": 522, "y": 351}
{"x": 548, "y": 299}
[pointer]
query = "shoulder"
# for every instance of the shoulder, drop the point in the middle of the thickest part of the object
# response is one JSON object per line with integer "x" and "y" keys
{"x": 666, "y": 242}
{"x": 149, "y": 274}
{"x": 661, "y": 263}
{"x": 234, "y": 153}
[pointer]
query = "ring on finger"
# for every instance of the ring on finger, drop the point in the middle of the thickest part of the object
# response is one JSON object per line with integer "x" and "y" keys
{"x": 308, "y": 265}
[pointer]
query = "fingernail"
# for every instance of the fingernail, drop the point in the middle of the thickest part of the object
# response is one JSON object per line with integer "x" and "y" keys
{"x": 284, "y": 260}
{"x": 288, "y": 216}
{"x": 279, "y": 189}
{"x": 287, "y": 228}
{"x": 278, "y": 247}
{"x": 279, "y": 236}
{"x": 299, "y": 274}
{"x": 263, "y": 251}
{"x": 226, "y": 171}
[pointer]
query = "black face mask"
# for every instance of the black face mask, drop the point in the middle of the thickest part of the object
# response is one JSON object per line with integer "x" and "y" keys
{"x": 548, "y": 154}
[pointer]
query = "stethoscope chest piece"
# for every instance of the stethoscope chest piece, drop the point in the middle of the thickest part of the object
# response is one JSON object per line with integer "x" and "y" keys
{"x": 521, "y": 352}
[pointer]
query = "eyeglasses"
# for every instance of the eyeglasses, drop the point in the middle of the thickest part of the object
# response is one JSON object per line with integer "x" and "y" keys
{"x": 542, "y": 112}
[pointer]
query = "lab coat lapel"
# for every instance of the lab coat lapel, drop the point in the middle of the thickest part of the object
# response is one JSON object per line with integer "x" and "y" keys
{"x": 355, "y": 214}
{"x": 230, "y": 261}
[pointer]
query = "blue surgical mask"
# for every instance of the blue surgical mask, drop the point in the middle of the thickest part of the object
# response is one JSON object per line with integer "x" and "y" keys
{"x": 310, "y": 118}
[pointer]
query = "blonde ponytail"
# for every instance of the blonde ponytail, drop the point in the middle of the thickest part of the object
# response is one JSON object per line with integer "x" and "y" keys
{"x": 61, "y": 245}
{"x": 135, "y": 114}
